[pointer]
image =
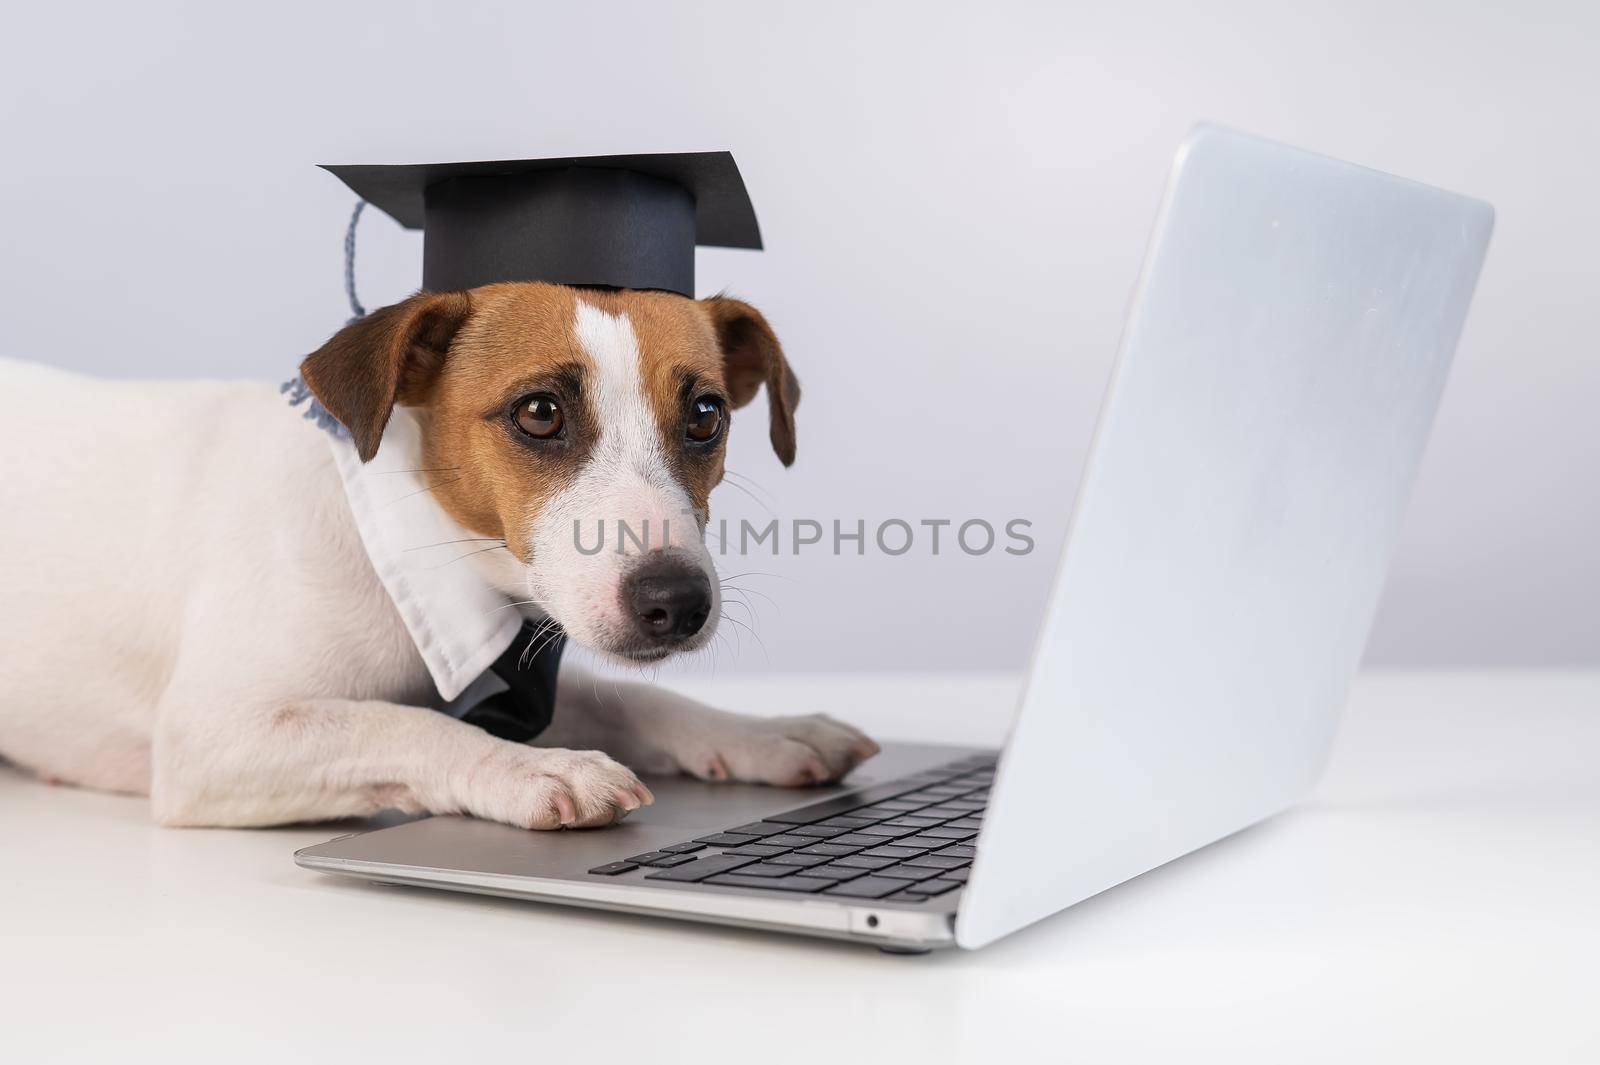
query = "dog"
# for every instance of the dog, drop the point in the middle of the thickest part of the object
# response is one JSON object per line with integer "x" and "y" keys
{"x": 191, "y": 613}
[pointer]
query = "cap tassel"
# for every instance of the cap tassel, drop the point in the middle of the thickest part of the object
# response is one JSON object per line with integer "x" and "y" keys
{"x": 356, "y": 310}
{"x": 296, "y": 388}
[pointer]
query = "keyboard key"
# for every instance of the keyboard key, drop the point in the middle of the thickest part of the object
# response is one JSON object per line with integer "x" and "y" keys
{"x": 910, "y": 872}
{"x": 887, "y": 831}
{"x": 858, "y": 840}
{"x": 831, "y": 849}
{"x": 821, "y": 811}
{"x": 726, "y": 839}
{"x": 946, "y": 832}
{"x": 802, "y": 861}
{"x": 759, "y": 828}
{"x": 613, "y": 868}
{"x": 958, "y": 875}
{"x": 647, "y": 857}
{"x": 848, "y": 822}
{"x": 667, "y": 861}
{"x": 915, "y": 822}
{"x": 684, "y": 848}
{"x": 944, "y": 813}
{"x": 892, "y": 852}
{"x": 910, "y": 843}
{"x": 935, "y": 861}
{"x": 961, "y": 850}
{"x": 818, "y": 831}
{"x": 788, "y": 839}
{"x": 832, "y": 872}
{"x": 973, "y": 823}
{"x": 660, "y": 858}
{"x": 793, "y": 883}
{"x": 861, "y": 861}
{"x": 700, "y": 868}
{"x": 868, "y": 887}
{"x": 908, "y": 896}
{"x": 767, "y": 869}
{"x": 892, "y": 808}
{"x": 758, "y": 850}
{"x": 936, "y": 887}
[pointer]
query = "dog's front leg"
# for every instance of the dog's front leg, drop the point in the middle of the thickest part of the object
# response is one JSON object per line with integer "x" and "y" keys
{"x": 319, "y": 759}
{"x": 654, "y": 730}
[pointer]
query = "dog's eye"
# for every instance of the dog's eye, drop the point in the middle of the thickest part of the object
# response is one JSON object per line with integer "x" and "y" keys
{"x": 540, "y": 417}
{"x": 706, "y": 419}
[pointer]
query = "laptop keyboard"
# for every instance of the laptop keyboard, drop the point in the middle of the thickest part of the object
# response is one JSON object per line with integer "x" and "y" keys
{"x": 907, "y": 840}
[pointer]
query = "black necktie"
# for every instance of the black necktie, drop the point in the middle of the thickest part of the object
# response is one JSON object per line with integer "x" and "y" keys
{"x": 529, "y": 667}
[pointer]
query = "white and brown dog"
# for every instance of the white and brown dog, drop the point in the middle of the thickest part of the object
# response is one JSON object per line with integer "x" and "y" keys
{"x": 191, "y": 611}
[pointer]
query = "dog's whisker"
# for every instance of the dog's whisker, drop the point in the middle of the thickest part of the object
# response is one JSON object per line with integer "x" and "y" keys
{"x": 759, "y": 573}
{"x": 740, "y": 589}
{"x": 513, "y": 605}
{"x": 751, "y": 481}
{"x": 553, "y": 635}
{"x": 736, "y": 645}
{"x": 553, "y": 630}
{"x": 753, "y": 635}
{"x": 751, "y": 614}
{"x": 469, "y": 554}
{"x": 762, "y": 503}
{"x": 425, "y": 488}
{"x": 465, "y": 540}
{"x": 528, "y": 652}
{"x": 543, "y": 636}
{"x": 426, "y": 469}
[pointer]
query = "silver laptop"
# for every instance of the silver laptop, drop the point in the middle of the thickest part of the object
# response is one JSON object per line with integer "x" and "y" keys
{"x": 1280, "y": 368}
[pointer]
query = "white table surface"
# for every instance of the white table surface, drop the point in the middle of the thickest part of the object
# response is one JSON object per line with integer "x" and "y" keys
{"x": 1437, "y": 900}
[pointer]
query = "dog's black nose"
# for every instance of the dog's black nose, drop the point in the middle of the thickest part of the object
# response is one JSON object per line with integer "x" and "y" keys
{"x": 669, "y": 600}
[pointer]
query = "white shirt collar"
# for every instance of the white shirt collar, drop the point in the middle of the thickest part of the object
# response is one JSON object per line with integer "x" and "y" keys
{"x": 459, "y": 622}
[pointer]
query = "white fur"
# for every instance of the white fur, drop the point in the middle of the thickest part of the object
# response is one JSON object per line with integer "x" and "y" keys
{"x": 190, "y": 613}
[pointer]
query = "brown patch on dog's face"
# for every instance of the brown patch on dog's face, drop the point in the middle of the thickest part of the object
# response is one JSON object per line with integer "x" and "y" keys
{"x": 518, "y": 343}
{"x": 619, "y": 393}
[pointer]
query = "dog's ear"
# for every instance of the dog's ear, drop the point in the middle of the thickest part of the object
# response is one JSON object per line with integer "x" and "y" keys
{"x": 752, "y": 357}
{"x": 388, "y": 357}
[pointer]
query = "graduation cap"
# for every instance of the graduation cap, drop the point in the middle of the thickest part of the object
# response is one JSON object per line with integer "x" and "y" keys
{"x": 621, "y": 221}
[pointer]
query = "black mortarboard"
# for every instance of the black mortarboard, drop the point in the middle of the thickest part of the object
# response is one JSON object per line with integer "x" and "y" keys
{"x": 623, "y": 221}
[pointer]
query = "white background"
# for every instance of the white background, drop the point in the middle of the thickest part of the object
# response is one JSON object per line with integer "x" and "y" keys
{"x": 954, "y": 199}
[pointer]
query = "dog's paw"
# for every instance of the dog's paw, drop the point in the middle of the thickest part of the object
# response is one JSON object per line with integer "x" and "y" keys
{"x": 540, "y": 788}
{"x": 787, "y": 751}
